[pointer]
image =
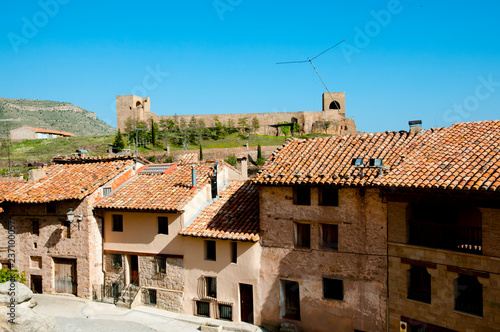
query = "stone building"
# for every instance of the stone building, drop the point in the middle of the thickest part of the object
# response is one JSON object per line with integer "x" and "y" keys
{"x": 222, "y": 257}
{"x": 23, "y": 133}
{"x": 57, "y": 254}
{"x": 408, "y": 239}
{"x": 332, "y": 119}
{"x": 143, "y": 253}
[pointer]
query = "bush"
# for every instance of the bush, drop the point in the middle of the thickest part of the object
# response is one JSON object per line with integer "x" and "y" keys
{"x": 260, "y": 161}
{"x": 8, "y": 275}
{"x": 231, "y": 160}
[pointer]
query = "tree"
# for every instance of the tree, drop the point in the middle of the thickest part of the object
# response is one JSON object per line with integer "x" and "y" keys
{"x": 327, "y": 125}
{"x": 118, "y": 143}
{"x": 285, "y": 129}
{"x": 201, "y": 153}
{"x": 154, "y": 128}
{"x": 242, "y": 123}
{"x": 259, "y": 152}
{"x": 255, "y": 124}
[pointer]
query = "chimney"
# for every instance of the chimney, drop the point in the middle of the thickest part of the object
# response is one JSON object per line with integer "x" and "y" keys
{"x": 36, "y": 174}
{"x": 193, "y": 175}
{"x": 242, "y": 166}
{"x": 415, "y": 126}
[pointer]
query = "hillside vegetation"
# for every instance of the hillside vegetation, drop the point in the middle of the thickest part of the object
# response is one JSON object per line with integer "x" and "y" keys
{"x": 51, "y": 115}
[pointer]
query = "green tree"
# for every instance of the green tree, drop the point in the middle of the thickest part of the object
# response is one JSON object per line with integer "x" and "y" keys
{"x": 243, "y": 125}
{"x": 285, "y": 129}
{"x": 154, "y": 129}
{"x": 118, "y": 143}
{"x": 327, "y": 125}
{"x": 201, "y": 153}
{"x": 259, "y": 152}
{"x": 255, "y": 124}
{"x": 231, "y": 160}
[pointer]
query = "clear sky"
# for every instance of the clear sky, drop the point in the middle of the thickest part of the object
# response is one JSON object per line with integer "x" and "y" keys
{"x": 437, "y": 61}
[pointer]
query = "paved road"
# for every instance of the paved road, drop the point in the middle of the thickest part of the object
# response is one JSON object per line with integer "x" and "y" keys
{"x": 79, "y": 315}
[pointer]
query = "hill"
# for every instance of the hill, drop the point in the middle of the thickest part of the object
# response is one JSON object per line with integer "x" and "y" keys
{"x": 52, "y": 115}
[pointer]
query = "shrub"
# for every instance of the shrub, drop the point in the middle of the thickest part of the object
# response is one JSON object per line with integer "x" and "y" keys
{"x": 8, "y": 275}
{"x": 231, "y": 160}
{"x": 260, "y": 161}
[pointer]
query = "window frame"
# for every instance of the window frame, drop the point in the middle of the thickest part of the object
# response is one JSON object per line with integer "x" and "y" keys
{"x": 466, "y": 292}
{"x": 117, "y": 220}
{"x": 106, "y": 191}
{"x": 332, "y": 294}
{"x": 230, "y": 306}
{"x": 210, "y": 252}
{"x": 114, "y": 261}
{"x": 162, "y": 225}
{"x": 323, "y": 243}
{"x": 149, "y": 293}
{"x": 302, "y": 195}
{"x": 211, "y": 287}
{"x": 298, "y": 228}
{"x": 198, "y": 309}
{"x": 419, "y": 285}
{"x": 321, "y": 196}
{"x": 288, "y": 311}
{"x": 160, "y": 263}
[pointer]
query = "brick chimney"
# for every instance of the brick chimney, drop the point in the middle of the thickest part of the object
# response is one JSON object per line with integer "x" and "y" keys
{"x": 36, "y": 174}
{"x": 415, "y": 126}
{"x": 242, "y": 166}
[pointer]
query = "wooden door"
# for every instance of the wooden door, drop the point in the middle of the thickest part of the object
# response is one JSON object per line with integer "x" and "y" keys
{"x": 246, "y": 303}
{"x": 65, "y": 275}
{"x": 134, "y": 269}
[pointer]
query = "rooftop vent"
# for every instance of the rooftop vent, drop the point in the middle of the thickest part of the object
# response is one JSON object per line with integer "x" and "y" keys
{"x": 415, "y": 126}
{"x": 376, "y": 162}
{"x": 357, "y": 162}
{"x": 155, "y": 169}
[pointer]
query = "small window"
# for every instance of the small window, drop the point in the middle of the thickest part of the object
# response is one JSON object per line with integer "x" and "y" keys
{"x": 117, "y": 223}
{"x": 290, "y": 307}
{"x": 160, "y": 265}
{"x": 333, "y": 289}
{"x": 334, "y": 105}
{"x": 211, "y": 287}
{"x": 50, "y": 207}
{"x": 302, "y": 235}
{"x": 225, "y": 312}
{"x": 210, "y": 254}
{"x": 419, "y": 284}
{"x": 163, "y": 225}
{"x": 116, "y": 261}
{"x": 330, "y": 236}
{"x": 328, "y": 197}
{"x": 106, "y": 191}
{"x": 151, "y": 297}
{"x": 36, "y": 226}
{"x": 302, "y": 196}
{"x": 203, "y": 308}
{"x": 469, "y": 295}
{"x": 234, "y": 252}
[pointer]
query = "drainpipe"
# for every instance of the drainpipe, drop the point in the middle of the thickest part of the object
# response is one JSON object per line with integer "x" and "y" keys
{"x": 193, "y": 175}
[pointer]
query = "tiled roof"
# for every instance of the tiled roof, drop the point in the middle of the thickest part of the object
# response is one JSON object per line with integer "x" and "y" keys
{"x": 234, "y": 216}
{"x": 8, "y": 186}
{"x": 92, "y": 159}
{"x": 327, "y": 160}
{"x": 50, "y": 131}
{"x": 464, "y": 156}
{"x": 188, "y": 158}
{"x": 68, "y": 181}
{"x": 161, "y": 192}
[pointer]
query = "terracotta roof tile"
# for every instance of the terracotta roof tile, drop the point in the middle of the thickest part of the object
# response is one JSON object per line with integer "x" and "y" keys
{"x": 50, "y": 131}
{"x": 169, "y": 191}
{"x": 234, "y": 216}
{"x": 68, "y": 181}
{"x": 464, "y": 156}
{"x": 8, "y": 186}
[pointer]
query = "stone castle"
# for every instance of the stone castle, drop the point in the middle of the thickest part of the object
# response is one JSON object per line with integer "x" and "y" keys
{"x": 330, "y": 120}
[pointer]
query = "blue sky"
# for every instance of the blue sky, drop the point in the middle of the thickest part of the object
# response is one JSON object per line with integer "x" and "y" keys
{"x": 402, "y": 60}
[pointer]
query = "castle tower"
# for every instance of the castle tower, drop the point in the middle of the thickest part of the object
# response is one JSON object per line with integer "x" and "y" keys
{"x": 133, "y": 107}
{"x": 334, "y": 101}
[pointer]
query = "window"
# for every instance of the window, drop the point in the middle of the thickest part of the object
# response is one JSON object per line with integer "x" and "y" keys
{"x": 330, "y": 236}
{"x": 419, "y": 284}
{"x": 160, "y": 265}
{"x": 50, "y": 207}
{"x": 290, "y": 306}
{"x": 328, "y": 197}
{"x": 163, "y": 225}
{"x": 334, "y": 105}
{"x": 106, "y": 191}
{"x": 116, "y": 261}
{"x": 211, "y": 286}
{"x": 234, "y": 252}
{"x": 36, "y": 226}
{"x": 333, "y": 289}
{"x": 469, "y": 295}
{"x": 203, "y": 308}
{"x": 302, "y": 235}
{"x": 210, "y": 254}
{"x": 226, "y": 312}
{"x": 301, "y": 196}
{"x": 117, "y": 223}
{"x": 151, "y": 297}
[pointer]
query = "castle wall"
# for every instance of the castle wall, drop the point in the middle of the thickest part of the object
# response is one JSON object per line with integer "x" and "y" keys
{"x": 310, "y": 122}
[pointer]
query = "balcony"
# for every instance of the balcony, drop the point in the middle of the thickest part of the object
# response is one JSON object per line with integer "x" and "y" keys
{"x": 449, "y": 237}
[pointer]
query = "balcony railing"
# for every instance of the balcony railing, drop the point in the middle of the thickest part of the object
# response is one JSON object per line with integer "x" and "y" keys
{"x": 419, "y": 295}
{"x": 449, "y": 237}
{"x": 469, "y": 307}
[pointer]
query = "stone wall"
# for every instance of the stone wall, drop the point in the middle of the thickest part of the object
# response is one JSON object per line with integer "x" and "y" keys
{"x": 441, "y": 311}
{"x": 310, "y": 122}
{"x": 360, "y": 260}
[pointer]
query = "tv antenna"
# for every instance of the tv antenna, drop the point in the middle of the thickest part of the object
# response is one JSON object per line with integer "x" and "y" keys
{"x": 312, "y": 64}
